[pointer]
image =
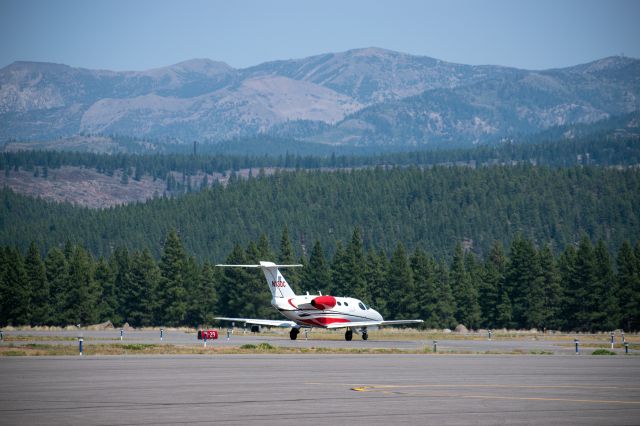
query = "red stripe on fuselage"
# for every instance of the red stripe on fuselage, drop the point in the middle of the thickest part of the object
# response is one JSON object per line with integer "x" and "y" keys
{"x": 323, "y": 321}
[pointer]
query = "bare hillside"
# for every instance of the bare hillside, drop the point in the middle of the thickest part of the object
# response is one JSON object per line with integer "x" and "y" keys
{"x": 82, "y": 186}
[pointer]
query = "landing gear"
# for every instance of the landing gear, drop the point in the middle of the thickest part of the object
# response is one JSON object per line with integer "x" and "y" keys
{"x": 348, "y": 335}
{"x": 293, "y": 334}
{"x": 365, "y": 335}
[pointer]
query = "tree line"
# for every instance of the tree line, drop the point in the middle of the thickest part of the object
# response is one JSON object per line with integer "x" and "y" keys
{"x": 599, "y": 150}
{"x": 583, "y": 288}
{"x": 428, "y": 207}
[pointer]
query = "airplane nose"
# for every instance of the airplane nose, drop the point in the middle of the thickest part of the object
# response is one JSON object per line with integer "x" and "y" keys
{"x": 377, "y": 315}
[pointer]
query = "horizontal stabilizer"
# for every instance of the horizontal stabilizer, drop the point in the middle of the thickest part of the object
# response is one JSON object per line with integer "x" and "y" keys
{"x": 261, "y": 265}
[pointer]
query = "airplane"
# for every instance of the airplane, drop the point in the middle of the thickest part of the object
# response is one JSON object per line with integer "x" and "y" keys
{"x": 308, "y": 311}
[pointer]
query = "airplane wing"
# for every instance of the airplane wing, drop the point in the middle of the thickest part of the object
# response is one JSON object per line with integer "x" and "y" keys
{"x": 371, "y": 323}
{"x": 271, "y": 323}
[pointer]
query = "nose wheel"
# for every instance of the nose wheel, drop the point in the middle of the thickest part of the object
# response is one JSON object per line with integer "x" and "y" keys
{"x": 365, "y": 335}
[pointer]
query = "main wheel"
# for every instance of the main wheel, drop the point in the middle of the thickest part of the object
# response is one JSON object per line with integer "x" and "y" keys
{"x": 293, "y": 334}
{"x": 348, "y": 335}
{"x": 365, "y": 335}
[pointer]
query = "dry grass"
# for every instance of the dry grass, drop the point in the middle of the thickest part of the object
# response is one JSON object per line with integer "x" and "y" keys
{"x": 264, "y": 348}
{"x": 40, "y": 349}
{"x": 35, "y": 349}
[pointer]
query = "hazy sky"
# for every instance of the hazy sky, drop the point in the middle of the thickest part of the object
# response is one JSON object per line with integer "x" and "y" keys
{"x": 137, "y": 35}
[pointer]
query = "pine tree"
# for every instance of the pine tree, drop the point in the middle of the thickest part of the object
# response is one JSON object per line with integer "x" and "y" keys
{"x": 287, "y": 257}
{"x": 523, "y": 281}
{"x": 475, "y": 270}
{"x": 423, "y": 268}
{"x": 233, "y": 284}
{"x": 14, "y": 290}
{"x": 192, "y": 315}
{"x": 356, "y": 281}
{"x": 492, "y": 286}
{"x": 264, "y": 249}
{"x": 567, "y": 266}
{"x": 465, "y": 294}
{"x": 446, "y": 307}
{"x": 120, "y": 264}
{"x": 57, "y": 276}
{"x": 606, "y": 311}
{"x": 258, "y": 305}
{"x": 628, "y": 278}
{"x": 172, "y": 294}
{"x": 108, "y": 301}
{"x": 141, "y": 294}
{"x": 208, "y": 294}
{"x": 553, "y": 291}
{"x": 402, "y": 303}
{"x": 339, "y": 272}
{"x": 583, "y": 285}
{"x": 4, "y": 307}
{"x": 37, "y": 277}
{"x": 81, "y": 305}
{"x": 376, "y": 276}
{"x": 317, "y": 275}
{"x": 504, "y": 310}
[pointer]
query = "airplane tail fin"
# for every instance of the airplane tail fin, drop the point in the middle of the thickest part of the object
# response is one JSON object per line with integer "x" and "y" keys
{"x": 277, "y": 284}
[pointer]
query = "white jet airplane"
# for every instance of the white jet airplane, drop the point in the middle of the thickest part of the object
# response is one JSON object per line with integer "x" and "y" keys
{"x": 314, "y": 311}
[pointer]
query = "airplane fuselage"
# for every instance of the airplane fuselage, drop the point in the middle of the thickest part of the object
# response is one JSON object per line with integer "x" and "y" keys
{"x": 344, "y": 310}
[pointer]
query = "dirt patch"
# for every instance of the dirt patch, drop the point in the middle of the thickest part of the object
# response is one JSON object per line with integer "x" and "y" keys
{"x": 82, "y": 186}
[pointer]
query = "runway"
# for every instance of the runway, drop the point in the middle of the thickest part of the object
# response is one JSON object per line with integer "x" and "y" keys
{"x": 329, "y": 389}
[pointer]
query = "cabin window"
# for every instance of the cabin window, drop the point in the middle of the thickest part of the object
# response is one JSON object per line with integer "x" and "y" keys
{"x": 339, "y": 304}
{"x": 346, "y": 304}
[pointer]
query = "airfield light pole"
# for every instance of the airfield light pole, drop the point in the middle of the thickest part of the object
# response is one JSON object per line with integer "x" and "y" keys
{"x": 490, "y": 334}
{"x": 613, "y": 339}
{"x": 435, "y": 346}
{"x": 626, "y": 348}
{"x": 80, "y": 342}
{"x": 161, "y": 333}
{"x": 230, "y": 330}
{"x": 622, "y": 335}
{"x": 577, "y": 342}
{"x": 121, "y": 333}
{"x": 204, "y": 337}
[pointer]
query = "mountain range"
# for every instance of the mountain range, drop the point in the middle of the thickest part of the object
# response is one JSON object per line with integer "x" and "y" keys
{"x": 363, "y": 97}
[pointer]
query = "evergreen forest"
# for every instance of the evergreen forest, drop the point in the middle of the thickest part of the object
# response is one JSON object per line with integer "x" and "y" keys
{"x": 431, "y": 208}
{"x": 582, "y": 288}
{"x": 518, "y": 236}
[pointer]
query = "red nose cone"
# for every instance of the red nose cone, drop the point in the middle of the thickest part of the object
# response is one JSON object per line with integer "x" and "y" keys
{"x": 324, "y": 302}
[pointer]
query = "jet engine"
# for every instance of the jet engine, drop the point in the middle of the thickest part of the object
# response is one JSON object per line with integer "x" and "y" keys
{"x": 323, "y": 302}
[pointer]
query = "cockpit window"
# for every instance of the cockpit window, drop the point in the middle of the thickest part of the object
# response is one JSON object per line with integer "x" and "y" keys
{"x": 363, "y": 307}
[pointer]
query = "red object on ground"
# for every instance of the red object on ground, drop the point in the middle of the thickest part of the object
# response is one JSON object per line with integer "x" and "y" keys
{"x": 210, "y": 334}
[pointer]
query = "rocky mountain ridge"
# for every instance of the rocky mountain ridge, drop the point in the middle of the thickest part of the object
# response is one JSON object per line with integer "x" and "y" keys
{"x": 366, "y": 96}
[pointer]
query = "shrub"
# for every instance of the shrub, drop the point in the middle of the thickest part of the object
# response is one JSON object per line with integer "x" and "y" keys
{"x": 602, "y": 352}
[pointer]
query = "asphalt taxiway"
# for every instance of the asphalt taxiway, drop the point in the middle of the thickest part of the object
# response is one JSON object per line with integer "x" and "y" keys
{"x": 328, "y": 389}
